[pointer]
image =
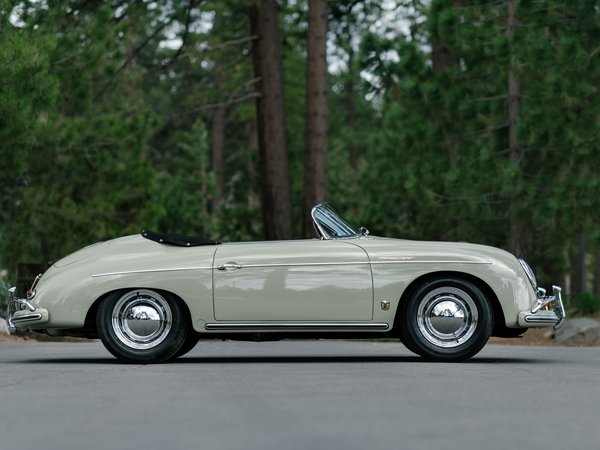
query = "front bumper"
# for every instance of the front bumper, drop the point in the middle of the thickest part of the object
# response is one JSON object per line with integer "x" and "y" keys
{"x": 548, "y": 310}
{"x": 21, "y": 313}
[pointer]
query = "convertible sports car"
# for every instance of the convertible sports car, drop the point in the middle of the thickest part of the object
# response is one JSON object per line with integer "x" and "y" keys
{"x": 151, "y": 297}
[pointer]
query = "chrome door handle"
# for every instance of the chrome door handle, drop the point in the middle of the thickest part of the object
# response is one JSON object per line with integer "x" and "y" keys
{"x": 229, "y": 266}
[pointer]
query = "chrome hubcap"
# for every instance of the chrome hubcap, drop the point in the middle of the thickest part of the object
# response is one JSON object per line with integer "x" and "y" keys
{"x": 447, "y": 317}
{"x": 141, "y": 319}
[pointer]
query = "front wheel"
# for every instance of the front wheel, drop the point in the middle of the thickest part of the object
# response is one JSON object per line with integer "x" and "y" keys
{"x": 142, "y": 325}
{"x": 446, "y": 319}
{"x": 189, "y": 343}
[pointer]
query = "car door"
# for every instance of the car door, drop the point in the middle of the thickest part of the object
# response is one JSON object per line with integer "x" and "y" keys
{"x": 305, "y": 280}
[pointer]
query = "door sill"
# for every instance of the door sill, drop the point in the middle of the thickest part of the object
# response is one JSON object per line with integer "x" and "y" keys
{"x": 297, "y": 326}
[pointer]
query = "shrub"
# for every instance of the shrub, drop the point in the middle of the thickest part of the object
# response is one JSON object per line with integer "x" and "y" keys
{"x": 585, "y": 304}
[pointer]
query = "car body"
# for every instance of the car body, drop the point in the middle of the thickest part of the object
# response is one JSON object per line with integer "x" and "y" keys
{"x": 151, "y": 297}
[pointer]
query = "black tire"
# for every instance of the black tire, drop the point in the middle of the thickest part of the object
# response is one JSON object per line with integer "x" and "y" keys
{"x": 142, "y": 325}
{"x": 190, "y": 342}
{"x": 446, "y": 319}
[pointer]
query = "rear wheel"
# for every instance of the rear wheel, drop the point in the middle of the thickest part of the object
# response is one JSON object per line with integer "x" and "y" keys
{"x": 446, "y": 319}
{"x": 142, "y": 325}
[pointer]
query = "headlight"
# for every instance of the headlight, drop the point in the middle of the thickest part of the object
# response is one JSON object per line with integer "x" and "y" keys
{"x": 529, "y": 273}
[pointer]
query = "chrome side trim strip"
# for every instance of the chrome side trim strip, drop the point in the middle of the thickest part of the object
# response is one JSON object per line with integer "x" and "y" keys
{"x": 26, "y": 318}
{"x": 298, "y": 326}
{"x": 128, "y": 272}
{"x": 415, "y": 261}
{"x": 299, "y": 264}
{"x": 353, "y": 263}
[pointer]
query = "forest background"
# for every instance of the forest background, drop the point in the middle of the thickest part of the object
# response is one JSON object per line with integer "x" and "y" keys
{"x": 444, "y": 119}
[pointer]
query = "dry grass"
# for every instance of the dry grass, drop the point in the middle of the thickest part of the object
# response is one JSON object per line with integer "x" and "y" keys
{"x": 36, "y": 337}
{"x": 5, "y": 338}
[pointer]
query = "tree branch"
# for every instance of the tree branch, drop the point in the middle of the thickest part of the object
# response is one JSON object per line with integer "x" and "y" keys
{"x": 485, "y": 197}
{"x": 234, "y": 42}
{"x": 485, "y": 130}
{"x": 130, "y": 58}
{"x": 186, "y": 32}
{"x": 486, "y": 99}
{"x": 228, "y": 102}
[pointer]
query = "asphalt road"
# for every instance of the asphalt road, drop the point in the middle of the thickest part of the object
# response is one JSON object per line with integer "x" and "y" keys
{"x": 298, "y": 395}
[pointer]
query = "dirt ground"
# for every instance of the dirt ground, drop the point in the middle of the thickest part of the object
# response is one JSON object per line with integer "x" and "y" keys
{"x": 28, "y": 338}
{"x": 533, "y": 336}
{"x": 7, "y": 338}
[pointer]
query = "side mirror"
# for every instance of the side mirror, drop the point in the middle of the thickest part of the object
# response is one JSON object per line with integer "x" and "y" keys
{"x": 364, "y": 231}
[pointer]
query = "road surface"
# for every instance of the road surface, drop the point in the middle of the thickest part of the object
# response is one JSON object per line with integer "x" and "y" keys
{"x": 301, "y": 395}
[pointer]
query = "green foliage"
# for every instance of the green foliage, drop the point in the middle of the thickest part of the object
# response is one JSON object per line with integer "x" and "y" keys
{"x": 107, "y": 109}
{"x": 28, "y": 93}
{"x": 442, "y": 159}
{"x": 3, "y": 295}
{"x": 180, "y": 193}
{"x": 586, "y": 304}
{"x": 84, "y": 172}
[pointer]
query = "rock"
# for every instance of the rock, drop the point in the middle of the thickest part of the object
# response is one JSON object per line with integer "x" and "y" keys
{"x": 3, "y": 326}
{"x": 581, "y": 331}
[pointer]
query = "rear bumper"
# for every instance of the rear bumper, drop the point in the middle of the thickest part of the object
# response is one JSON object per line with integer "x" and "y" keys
{"x": 548, "y": 310}
{"x": 21, "y": 313}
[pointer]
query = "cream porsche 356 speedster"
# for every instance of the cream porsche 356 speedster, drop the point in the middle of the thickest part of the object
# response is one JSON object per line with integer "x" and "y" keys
{"x": 151, "y": 297}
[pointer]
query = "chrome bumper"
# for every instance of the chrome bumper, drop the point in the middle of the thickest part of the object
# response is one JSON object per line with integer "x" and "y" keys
{"x": 547, "y": 310}
{"x": 20, "y": 312}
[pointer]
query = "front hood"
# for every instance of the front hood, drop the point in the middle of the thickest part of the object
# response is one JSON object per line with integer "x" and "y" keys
{"x": 387, "y": 249}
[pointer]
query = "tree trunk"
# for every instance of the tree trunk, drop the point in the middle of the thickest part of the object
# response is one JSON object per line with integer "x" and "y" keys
{"x": 218, "y": 145}
{"x": 597, "y": 273}
{"x": 129, "y": 54}
{"x": 273, "y": 152}
{"x": 578, "y": 272}
{"x": 218, "y": 133}
{"x": 516, "y": 228}
{"x": 253, "y": 197}
{"x": 351, "y": 108}
{"x": 315, "y": 167}
{"x": 442, "y": 59}
{"x": 203, "y": 193}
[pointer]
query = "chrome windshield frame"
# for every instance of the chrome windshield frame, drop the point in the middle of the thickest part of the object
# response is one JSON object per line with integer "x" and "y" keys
{"x": 327, "y": 210}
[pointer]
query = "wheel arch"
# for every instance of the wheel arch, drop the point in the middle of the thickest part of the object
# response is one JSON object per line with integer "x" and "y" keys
{"x": 90, "y": 317}
{"x": 499, "y": 319}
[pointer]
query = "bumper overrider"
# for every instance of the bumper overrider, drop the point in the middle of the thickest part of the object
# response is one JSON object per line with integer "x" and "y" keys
{"x": 547, "y": 310}
{"x": 22, "y": 313}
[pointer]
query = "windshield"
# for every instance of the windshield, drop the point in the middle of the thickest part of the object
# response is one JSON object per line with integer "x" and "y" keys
{"x": 330, "y": 225}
